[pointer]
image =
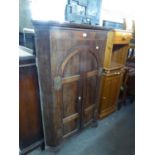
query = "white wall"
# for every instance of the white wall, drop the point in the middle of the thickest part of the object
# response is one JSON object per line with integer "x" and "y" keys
{"x": 24, "y": 15}
{"x": 116, "y": 10}
{"x": 48, "y": 10}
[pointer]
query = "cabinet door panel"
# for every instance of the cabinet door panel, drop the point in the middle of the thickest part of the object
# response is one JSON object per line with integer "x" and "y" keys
{"x": 106, "y": 94}
{"x": 82, "y": 62}
{"x": 70, "y": 127}
{"x": 71, "y": 90}
{"x": 110, "y": 92}
{"x": 71, "y": 109}
{"x": 78, "y": 68}
{"x": 70, "y": 95}
{"x": 72, "y": 68}
{"x": 89, "y": 74}
{"x": 88, "y": 61}
{"x": 90, "y": 97}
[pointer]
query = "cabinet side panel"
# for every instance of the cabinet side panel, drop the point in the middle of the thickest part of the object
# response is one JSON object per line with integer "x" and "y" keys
{"x": 101, "y": 39}
{"x": 52, "y": 137}
{"x": 108, "y": 50}
{"x": 30, "y": 124}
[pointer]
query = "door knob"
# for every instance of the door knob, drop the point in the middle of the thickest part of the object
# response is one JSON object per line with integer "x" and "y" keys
{"x": 79, "y": 98}
{"x": 97, "y": 47}
{"x": 84, "y": 35}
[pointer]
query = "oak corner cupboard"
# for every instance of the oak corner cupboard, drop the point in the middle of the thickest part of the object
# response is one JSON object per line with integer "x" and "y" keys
{"x": 69, "y": 60}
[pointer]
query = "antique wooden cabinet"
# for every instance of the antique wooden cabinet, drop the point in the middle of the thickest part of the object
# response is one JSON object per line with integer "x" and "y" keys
{"x": 114, "y": 62}
{"x": 30, "y": 122}
{"x": 69, "y": 59}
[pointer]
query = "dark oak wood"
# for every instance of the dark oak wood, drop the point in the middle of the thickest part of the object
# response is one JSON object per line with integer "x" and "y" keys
{"x": 68, "y": 24}
{"x": 69, "y": 58}
{"x": 30, "y": 121}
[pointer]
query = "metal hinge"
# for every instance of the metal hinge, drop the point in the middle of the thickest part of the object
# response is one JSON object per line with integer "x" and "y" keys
{"x": 37, "y": 62}
{"x": 101, "y": 71}
{"x": 57, "y": 83}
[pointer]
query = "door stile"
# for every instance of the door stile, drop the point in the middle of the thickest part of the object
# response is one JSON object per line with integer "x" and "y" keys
{"x": 97, "y": 95}
{"x": 84, "y": 93}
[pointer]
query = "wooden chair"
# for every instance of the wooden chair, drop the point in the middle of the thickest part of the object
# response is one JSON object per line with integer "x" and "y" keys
{"x": 128, "y": 84}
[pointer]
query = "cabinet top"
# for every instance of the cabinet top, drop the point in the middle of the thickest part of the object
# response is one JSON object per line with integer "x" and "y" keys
{"x": 48, "y": 24}
{"x": 25, "y": 52}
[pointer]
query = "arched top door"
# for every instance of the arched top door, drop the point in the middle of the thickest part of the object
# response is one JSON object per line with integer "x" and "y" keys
{"x": 79, "y": 61}
{"x": 78, "y": 72}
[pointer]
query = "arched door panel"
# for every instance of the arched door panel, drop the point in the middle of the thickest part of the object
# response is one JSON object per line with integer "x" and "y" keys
{"x": 90, "y": 96}
{"x": 70, "y": 72}
{"x": 78, "y": 91}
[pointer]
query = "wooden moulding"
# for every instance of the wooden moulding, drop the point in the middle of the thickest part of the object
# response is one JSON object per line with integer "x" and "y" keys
{"x": 32, "y": 147}
{"x": 108, "y": 50}
{"x": 107, "y": 112}
{"x": 67, "y": 24}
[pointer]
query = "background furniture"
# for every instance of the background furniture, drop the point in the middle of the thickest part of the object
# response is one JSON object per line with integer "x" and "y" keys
{"x": 114, "y": 62}
{"x": 83, "y": 11}
{"x": 128, "y": 84}
{"x": 29, "y": 40}
{"x": 26, "y": 39}
{"x": 30, "y": 122}
{"x": 112, "y": 24}
{"x": 130, "y": 65}
{"x": 69, "y": 59}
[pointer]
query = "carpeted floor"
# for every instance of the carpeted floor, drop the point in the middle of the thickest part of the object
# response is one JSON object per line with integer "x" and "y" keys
{"x": 115, "y": 135}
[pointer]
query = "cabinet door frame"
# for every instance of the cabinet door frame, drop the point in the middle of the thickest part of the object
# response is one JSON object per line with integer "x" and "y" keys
{"x": 60, "y": 80}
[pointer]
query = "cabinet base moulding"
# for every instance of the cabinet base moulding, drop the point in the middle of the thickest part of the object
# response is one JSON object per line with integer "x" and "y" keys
{"x": 32, "y": 147}
{"x": 106, "y": 112}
